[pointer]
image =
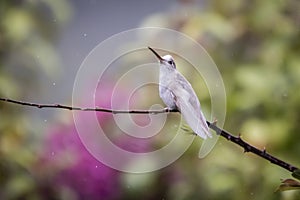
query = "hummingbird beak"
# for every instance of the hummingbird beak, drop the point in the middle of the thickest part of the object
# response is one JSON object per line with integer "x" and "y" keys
{"x": 156, "y": 54}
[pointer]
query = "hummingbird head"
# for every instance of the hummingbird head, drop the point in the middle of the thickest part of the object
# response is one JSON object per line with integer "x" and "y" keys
{"x": 166, "y": 60}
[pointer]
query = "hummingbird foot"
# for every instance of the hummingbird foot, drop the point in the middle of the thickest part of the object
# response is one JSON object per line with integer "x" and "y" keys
{"x": 187, "y": 130}
{"x": 168, "y": 110}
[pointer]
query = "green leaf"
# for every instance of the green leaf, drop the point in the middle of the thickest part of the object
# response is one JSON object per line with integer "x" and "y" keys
{"x": 288, "y": 184}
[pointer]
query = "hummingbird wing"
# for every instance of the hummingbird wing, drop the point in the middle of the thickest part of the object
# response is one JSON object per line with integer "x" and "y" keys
{"x": 188, "y": 104}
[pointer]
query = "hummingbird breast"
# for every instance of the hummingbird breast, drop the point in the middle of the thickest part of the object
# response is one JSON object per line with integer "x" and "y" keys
{"x": 166, "y": 83}
{"x": 167, "y": 96}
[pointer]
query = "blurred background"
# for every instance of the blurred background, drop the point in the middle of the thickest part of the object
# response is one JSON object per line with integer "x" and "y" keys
{"x": 255, "y": 45}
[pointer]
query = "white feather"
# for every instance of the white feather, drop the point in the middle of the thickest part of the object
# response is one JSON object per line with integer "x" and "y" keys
{"x": 189, "y": 106}
{"x": 177, "y": 92}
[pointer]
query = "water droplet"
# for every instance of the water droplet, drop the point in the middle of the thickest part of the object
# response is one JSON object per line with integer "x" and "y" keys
{"x": 84, "y": 35}
{"x": 52, "y": 153}
{"x": 53, "y": 83}
{"x": 45, "y": 120}
{"x": 96, "y": 166}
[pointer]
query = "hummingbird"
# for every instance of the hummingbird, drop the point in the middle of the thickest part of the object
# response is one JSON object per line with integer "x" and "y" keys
{"x": 178, "y": 94}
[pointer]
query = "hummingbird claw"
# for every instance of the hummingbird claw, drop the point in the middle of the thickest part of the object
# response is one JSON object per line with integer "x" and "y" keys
{"x": 167, "y": 110}
{"x": 187, "y": 130}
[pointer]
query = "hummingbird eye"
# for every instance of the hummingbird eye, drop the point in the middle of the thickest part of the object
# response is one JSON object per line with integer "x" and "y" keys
{"x": 170, "y": 62}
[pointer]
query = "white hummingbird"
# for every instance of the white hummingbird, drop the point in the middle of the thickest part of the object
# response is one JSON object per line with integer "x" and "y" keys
{"x": 177, "y": 93}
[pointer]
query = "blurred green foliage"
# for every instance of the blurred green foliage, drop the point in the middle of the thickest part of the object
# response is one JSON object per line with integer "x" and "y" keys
{"x": 256, "y": 46}
{"x": 28, "y": 30}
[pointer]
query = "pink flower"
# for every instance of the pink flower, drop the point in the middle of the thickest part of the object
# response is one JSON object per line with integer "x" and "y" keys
{"x": 69, "y": 164}
{"x": 77, "y": 169}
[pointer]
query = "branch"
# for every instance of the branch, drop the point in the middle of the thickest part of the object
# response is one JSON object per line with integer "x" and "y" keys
{"x": 165, "y": 110}
{"x": 249, "y": 148}
{"x": 235, "y": 139}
